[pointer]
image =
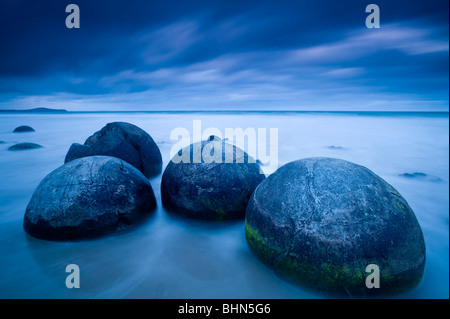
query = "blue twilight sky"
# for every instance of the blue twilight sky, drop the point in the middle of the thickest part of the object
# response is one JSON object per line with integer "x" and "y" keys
{"x": 209, "y": 55}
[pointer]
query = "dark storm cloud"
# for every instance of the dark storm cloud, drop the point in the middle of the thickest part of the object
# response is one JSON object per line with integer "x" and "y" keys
{"x": 220, "y": 54}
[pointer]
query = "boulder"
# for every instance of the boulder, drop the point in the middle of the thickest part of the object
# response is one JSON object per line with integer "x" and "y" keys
{"x": 321, "y": 221}
{"x": 125, "y": 141}
{"x": 24, "y": 146}
{"x": 88, "y": 197}
{"x": 214, "y": 186}
{"x": 23, "y": 129}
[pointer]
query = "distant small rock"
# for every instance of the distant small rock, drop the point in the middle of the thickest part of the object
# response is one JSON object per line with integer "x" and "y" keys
{"x": 420, "y": 175}
{"x": 24, "y": 146}
{"x": 2, "y": 142}
{"x": 23, "y": 129}
{"x": 414, "y": 175}
{"x": 332, "y": 147}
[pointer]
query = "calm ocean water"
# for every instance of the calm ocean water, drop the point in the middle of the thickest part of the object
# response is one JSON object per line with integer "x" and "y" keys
{"x": 170, "y": 257}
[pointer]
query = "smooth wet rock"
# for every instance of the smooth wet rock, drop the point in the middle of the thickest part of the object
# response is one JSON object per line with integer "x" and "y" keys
{"x": 321, "y": 221}
{"x": 23, "y": 129}
{"x": 24, "y": 146}
{"x": 88, "y": 197}
{"x": 216, "y": 186}
{"x": 125, "y": 141}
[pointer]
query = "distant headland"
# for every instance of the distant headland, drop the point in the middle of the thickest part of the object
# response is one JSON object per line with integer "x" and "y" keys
{"x": 36, "y": 110}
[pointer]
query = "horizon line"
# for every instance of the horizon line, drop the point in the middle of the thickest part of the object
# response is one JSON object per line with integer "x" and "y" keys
{"x": 49, "y": 110}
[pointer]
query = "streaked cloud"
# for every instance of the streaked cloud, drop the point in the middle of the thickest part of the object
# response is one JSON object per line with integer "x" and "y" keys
{"x": 408, "y": 40}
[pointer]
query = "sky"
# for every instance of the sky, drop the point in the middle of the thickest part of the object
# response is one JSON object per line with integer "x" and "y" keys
{"x": 224, "y": 55}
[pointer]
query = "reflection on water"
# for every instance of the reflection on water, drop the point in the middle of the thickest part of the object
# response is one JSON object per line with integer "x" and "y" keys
{"x": 167, "y": 256}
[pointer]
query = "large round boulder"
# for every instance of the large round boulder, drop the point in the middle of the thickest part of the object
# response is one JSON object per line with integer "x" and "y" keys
{"x": 125, "y": 141}
{"x": 210, "y": 180}
{"x": 324, "y": 223}
{"x": 88, "y": 197}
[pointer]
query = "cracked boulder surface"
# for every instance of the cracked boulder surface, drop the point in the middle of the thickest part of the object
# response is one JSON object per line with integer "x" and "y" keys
{"x": 319, "y": 222}
{"x": 216, "y": 185}
{"x": 88, "y": 197}
{"x": 125, "y": 141}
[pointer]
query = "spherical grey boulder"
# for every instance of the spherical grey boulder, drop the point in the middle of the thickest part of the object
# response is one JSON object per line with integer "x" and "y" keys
{"x": 24, "y": 146}
{"x": 321, "y": 221}
{"x": 125, "y": 141}
{"x": 210, "y": 180}
{"x": 88, "y": 197}
{"x": 23, "y": 129}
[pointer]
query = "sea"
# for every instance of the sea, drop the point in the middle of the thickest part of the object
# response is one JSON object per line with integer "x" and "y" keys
{"x": 170, "y": 257}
